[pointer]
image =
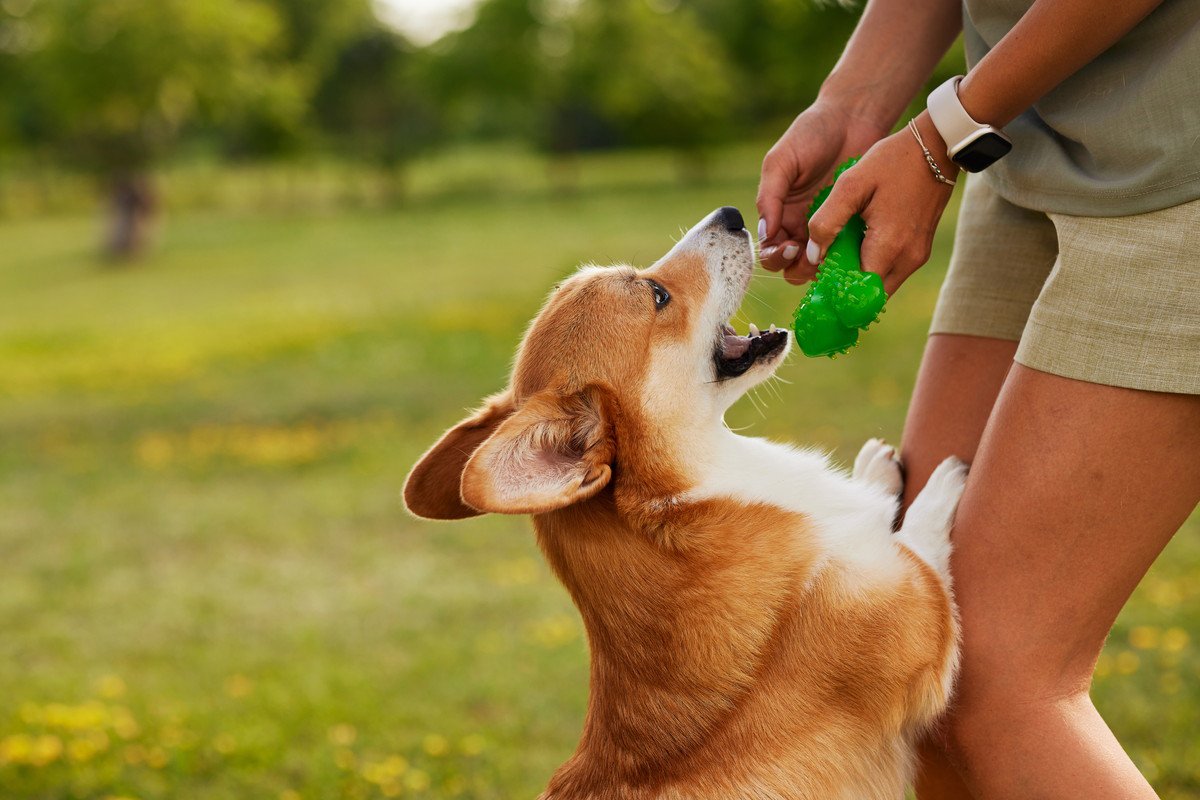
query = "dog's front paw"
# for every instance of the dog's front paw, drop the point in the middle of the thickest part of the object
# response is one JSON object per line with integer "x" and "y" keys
{"x": 878, "y": 463}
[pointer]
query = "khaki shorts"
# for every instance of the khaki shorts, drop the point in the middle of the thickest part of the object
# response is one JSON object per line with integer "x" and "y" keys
{"x": 1112, "y": 300}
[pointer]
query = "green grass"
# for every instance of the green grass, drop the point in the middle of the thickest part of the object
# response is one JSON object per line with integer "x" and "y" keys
{"x": 209, "y": 587}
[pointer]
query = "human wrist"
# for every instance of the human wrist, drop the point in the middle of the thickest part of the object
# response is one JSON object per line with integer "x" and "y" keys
{"x": 936, "y": 145}
{"x": 866, "y": 103}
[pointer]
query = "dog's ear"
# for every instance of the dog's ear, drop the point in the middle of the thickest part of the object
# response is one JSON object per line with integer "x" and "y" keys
{"x": 555, "y": 451}
{"x": 432, "y": 488}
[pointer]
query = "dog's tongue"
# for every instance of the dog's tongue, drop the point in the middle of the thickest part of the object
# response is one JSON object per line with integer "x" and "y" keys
{"x": 735, "y": 346}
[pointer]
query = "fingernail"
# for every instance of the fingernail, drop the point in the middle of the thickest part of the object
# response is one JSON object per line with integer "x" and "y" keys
{"x": 766, "y": 253}
{"x": 762, "y": 229}
{"x": 813, "y": 253}
{"x": 790, "y": 252}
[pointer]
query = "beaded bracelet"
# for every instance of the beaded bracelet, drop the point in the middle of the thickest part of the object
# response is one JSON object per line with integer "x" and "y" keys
{"x": 937, "y": 172}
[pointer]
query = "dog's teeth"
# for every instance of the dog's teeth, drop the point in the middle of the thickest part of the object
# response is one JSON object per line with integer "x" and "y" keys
{"x": 772, "y": 328}
{"x": 753, "y": 329}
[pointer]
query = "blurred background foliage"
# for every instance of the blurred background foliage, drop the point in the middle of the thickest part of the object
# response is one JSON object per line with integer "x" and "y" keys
{"x": 121, "y": 90}
{"x": 208, "y": 586}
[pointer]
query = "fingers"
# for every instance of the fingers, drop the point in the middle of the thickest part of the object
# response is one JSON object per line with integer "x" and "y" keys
{"x": 773, "y": 189}
{"x": 780, "y": 256}
{"x": 849, "y": 197}
{"x": 894, "y": 255}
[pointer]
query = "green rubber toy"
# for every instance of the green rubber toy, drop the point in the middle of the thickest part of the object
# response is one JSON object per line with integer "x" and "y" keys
{"x": 843, "y": 299}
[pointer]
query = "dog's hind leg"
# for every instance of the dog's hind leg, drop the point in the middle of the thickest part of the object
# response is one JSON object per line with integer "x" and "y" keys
{"x": 878, "y": 463}
{"x": 926, "y": 527}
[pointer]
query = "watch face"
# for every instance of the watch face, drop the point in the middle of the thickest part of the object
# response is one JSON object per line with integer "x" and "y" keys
{"x": 982, "y": 152}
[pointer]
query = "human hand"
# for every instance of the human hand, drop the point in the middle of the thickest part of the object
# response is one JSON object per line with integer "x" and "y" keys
{"x": 799, "y": 164}
{"x": 893, "y": 189}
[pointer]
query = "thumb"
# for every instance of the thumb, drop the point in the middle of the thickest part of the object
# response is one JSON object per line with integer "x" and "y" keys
{"x": 849, "y": 197}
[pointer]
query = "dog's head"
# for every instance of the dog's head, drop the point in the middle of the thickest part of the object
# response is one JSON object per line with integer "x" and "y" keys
{"x": 618, "y": 361}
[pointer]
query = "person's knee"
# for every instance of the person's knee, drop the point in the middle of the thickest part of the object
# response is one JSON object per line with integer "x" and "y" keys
{"x": 999, "y": 695}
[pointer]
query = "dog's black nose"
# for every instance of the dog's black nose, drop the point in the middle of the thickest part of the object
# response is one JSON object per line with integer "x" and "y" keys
{"x": 730, "y": 219}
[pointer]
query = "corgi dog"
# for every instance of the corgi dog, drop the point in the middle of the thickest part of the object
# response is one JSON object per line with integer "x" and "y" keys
{"x": 757, "y": 629}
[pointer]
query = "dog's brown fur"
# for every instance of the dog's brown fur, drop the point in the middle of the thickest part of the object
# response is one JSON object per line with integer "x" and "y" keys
{"x": 727, "y": 661}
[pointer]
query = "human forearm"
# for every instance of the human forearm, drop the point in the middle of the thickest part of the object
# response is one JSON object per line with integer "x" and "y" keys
{"x": 893, "y": 51}
{"x": 1050, "y": 43}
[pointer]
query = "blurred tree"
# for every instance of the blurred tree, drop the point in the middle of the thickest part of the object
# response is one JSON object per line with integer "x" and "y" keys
{"x": 645, "y": 71}
{"x": 118, "y": 81}
{"x": 491, "y": 77}
{"x": 375, "y": 102}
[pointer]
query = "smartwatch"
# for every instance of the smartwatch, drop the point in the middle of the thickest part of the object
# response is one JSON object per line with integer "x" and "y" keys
{"x": 970, "y": 144}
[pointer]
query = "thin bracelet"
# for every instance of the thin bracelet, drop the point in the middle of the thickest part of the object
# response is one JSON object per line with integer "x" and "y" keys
{"x": 937, "y": 172}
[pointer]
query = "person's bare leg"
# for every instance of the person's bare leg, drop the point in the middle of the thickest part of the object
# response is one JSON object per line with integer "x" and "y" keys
{"x": 959, "y": 380}
{"x": 1075, "y": 489}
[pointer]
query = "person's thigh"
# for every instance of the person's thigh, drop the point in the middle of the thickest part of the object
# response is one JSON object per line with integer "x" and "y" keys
{"x": 957, "y": 385}
{"x": 1074, "y": 490}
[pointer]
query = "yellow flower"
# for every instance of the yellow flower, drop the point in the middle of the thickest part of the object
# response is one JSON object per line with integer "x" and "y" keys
{"x": 391, "y": 789}
{"x": 417, "y": 780}
{"x": 81, "y": 750}
{"x": 123, "y": 723}
{"x": 155, "y": 450}
{"x": 156, "y": 757}
{"x": 1144, "y": 637}
{"x": 436, "y": 745}
{"x": 16, "y": 749}
{"x": 345, "y": 759}
{"x": 554, "y": 631}
{"x": 342, "y": 735}
{"x": 45, "y": 750}
{"x": 473, "y": 744}
{"x": 1127, "y": 662}
{"x": 110, "y": 687}
{"x": 238, "y": 686}
{"x": 1175, "y": 640}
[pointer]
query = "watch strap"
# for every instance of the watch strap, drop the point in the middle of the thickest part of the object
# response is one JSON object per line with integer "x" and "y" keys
{"x": 952, "y": 121}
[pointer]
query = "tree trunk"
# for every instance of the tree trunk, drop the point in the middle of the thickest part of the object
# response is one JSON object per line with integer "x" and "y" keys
{"x": 133, "y": 207}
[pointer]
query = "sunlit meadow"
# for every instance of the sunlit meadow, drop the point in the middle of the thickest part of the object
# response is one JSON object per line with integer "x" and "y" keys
{"x": 209, "y": 588}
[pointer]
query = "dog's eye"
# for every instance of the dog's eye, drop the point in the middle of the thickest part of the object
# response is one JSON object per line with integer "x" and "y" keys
{"x": 661, "y": 295}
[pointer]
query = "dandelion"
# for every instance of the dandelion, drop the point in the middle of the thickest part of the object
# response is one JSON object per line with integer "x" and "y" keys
{"x": 1145, "y": 637}
{"x": 156, "y": 757}
{"x": 123, "y": 723}
{"x": 110, "y": 687}
{"x": 155, "y": 450}
{"x": 81, "y": 750}
{"x": 436, "y": 745}
{"x": 238, "y": 686}
{"x": 45, "y": 749}
{"x": 517, "y": 572}
{"x": 345, "y": 759}
{"x": 134, "y": 754}
{"x": 30, "y": 714}
{"x": 1175, "y": 640}
{"x": 1127, "y": 662}
{"x": 342, "y": 735}
{"x": 391, "y": 789}
{"x": 15, "y": 749}
{"x": 554, "y": 631}
{"x": 417, "y": 780}
{"x": 472, "y": 744}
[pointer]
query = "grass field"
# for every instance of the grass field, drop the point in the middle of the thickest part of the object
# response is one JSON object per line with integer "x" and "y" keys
{"x": 208, "y": 587}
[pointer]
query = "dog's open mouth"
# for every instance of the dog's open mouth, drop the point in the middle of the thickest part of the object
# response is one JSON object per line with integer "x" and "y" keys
{"x": 735, "y": 354}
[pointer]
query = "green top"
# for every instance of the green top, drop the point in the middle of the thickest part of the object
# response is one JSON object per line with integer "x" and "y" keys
{"x": 1121, "y": 136}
